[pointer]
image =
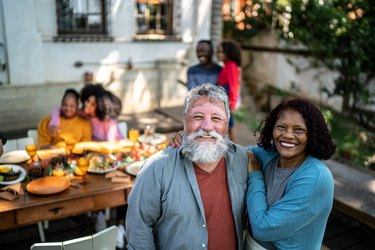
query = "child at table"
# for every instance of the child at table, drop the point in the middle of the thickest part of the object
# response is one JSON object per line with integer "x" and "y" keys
{"x": 73, "y": 127}
{"x": 101, "y": 107}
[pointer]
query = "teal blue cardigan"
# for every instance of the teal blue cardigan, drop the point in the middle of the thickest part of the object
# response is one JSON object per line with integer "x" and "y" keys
{"x": 298, "y": 220}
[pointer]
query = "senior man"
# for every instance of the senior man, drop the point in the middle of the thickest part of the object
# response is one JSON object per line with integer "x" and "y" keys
{"x": 192, "y": 197}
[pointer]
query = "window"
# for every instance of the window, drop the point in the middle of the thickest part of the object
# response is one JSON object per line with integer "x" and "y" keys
{"x": 154, "y": 19}
{"x": 80, "y": 18}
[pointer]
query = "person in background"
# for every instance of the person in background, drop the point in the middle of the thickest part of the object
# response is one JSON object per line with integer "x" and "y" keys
{"x": 290, "y": 193}
{"x": 73, "y": 127}
{"x": 102, "y": 108}
{"x": 229, "y": 52}
{"x": 3, "y": 140}
{"x": 192, "y": 197}
{"x": 206, "y": 71}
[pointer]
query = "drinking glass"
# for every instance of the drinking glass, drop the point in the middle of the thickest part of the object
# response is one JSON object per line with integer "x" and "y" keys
{"x": 31, "y": 150}
{"x": 134, "y": 134}
{"x": 83, "y": 165}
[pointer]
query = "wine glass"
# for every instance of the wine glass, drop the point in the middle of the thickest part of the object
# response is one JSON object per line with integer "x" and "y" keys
{"x": 134, "y": 134}
{"x": 31, "y": 150}
{"x": 83, "y": 165}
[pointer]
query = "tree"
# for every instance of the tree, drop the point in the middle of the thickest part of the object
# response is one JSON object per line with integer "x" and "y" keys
{"x": 339, "y": 34}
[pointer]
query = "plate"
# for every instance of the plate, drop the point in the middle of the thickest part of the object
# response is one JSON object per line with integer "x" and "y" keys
{"x": 154, "y": 139}
{"x": 16, "y": 156}
{"x": 15, "y": 168}
{"x": 134, "y": 167}
{"x": 48, "y": 185}
{"x": 116, "y": 166}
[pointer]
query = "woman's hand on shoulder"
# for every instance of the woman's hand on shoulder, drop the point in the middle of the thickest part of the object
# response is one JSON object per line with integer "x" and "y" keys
{"x": 176, "y": 140}
{"x": 253, "y": 163}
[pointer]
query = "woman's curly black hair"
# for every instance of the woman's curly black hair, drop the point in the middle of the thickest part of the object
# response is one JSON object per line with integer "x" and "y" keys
{"x": 319, "y": 140}
{"x": 232, "y": 51}
{"x": 108, "y": 106}
{"x": 71, "y": 92}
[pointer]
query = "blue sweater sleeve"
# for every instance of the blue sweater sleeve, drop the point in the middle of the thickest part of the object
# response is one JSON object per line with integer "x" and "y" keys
{"x": 308, "y": 194}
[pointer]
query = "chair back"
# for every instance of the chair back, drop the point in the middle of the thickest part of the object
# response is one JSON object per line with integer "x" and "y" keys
{"x": 33, "y": 133}
{"x": 11, "y": 145}
{"x": 83, "y": 243}
{"x": 22, "y": 142}
{"x": 123, "y": 126}
{"x": 105, "y": 239}
{"x": 17, "y": 144}
{"x": 47, "y": 246}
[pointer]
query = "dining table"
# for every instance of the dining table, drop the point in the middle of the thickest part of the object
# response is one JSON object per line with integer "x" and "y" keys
{"x": 98, "y": 193}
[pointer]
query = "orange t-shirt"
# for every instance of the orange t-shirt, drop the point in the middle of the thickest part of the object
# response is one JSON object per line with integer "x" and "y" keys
{"x": 217, "y": 207}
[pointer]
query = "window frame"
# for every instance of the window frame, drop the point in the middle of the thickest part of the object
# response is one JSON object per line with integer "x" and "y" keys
{"x": 169, "y": 33}
{"x": 85, "y": 34}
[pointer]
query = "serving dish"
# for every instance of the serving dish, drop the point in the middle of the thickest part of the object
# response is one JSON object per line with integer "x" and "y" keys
{"x": 134, "y": 168}
{"x": 14, "y": 168}
{"x": 48, "y": 185}
{"x": 103, "y": 171}
{"x": 154, "y": 139}
{"x": 16, "y": 156}
{"x": 100, "y": 163}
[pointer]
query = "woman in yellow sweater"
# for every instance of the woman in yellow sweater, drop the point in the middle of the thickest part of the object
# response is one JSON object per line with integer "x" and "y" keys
{"x": 73, "y": 127}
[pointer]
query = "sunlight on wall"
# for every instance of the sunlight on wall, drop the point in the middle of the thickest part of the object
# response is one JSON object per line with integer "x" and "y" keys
{"x": 116, "y": 6}
{"x": 105, "y": 71}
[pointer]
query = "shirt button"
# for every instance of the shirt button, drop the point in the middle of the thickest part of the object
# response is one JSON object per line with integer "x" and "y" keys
{"x": 203, "y": 245}
{"x": 204, "y": 225}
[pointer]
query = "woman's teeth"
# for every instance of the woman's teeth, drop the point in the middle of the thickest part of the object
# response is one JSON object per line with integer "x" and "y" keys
{"x": 288, "y": 145}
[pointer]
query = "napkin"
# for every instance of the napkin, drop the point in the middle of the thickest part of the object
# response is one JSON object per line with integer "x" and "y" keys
{"x": 11, "y": 192}
{"x": 118, "y": 177}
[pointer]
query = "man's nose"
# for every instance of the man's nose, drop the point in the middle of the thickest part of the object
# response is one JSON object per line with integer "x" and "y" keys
{"x": 207, "y": 124}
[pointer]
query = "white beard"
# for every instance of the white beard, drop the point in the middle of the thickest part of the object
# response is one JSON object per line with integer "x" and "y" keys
{"x": 206, "y": 151}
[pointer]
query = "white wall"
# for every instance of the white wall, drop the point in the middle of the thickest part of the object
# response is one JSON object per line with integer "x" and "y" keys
{"x": 41, "y": 67}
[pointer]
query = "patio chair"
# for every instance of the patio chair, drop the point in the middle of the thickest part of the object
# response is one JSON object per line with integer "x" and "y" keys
{"x": 123, "y": 126}
{"x": 105, "y": 239}
{"x": 33, "y": 133}
{"x": 17, "y": 144}
{"x": 47, "y": 246}
{"x": 82, "y": 243}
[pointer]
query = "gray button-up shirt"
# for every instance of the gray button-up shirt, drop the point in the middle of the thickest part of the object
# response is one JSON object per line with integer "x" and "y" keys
{"x": 165, "y": 208}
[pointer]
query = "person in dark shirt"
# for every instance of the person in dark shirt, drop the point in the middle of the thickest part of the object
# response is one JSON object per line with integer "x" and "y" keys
{"x": 206, "y": 71}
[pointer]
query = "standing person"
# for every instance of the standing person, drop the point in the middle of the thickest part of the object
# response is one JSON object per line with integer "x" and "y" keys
{"x": 192, "y": 197}
{"x": 102, "y": 108}
{"x": 229, "y": 52}
{"x": 206, "y": 71}
{"x": 290, "y": 197}
{"x": 73, "y": 127}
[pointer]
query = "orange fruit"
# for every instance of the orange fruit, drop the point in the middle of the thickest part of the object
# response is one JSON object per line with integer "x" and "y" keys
{"x": 78, "y": 172}
{"x": 58, "y": 172}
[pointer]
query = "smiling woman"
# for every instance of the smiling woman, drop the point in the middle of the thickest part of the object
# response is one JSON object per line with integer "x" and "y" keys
{"x": 284, "y": 189}
{"x": 73, "y": 128}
